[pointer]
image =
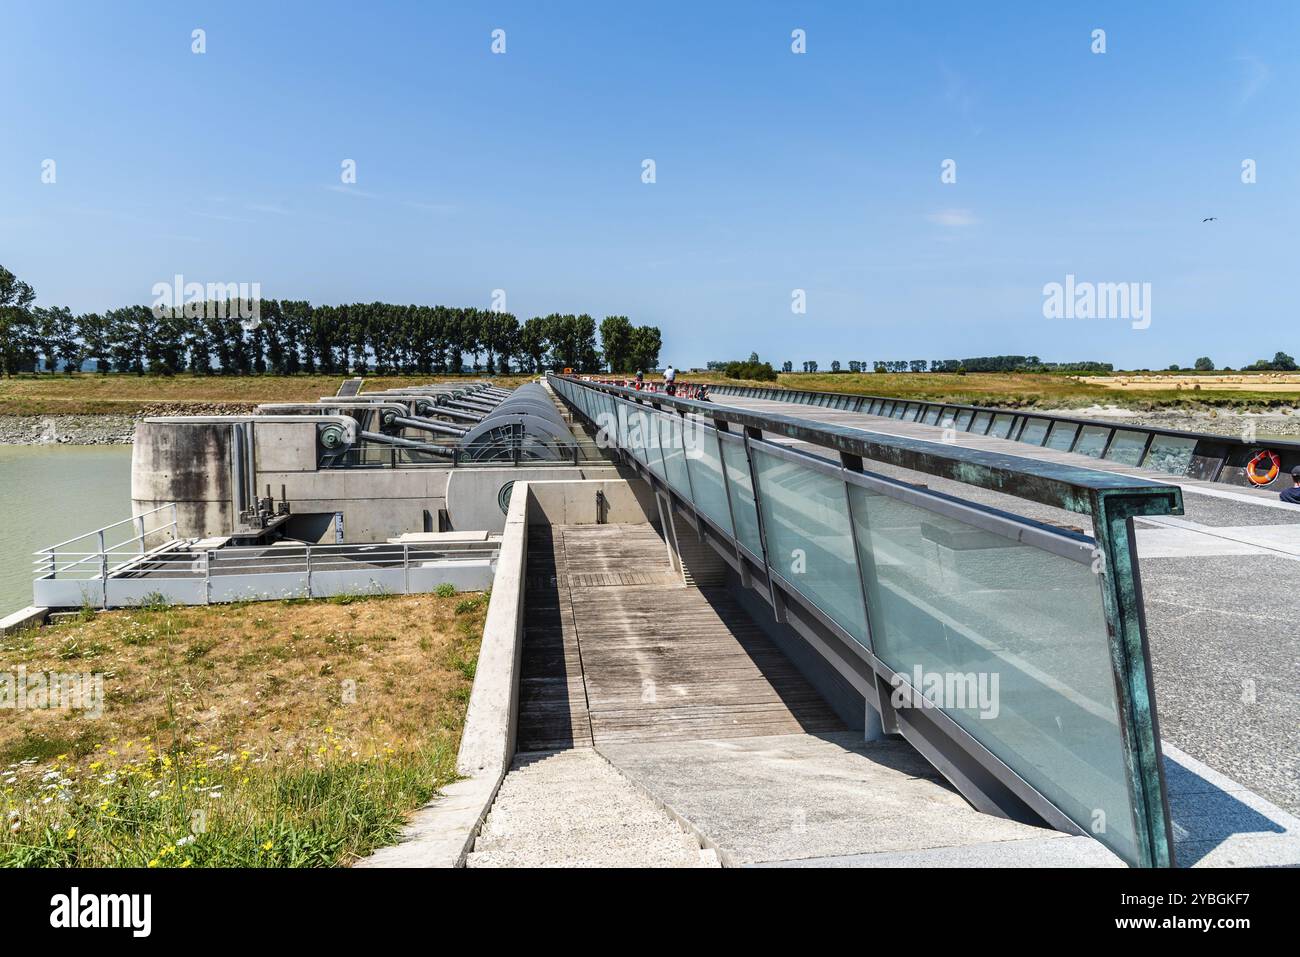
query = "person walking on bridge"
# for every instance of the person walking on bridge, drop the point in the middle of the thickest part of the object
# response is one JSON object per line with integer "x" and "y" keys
{"x": 670, "y": 380}
{"x": 1292, "y": 495}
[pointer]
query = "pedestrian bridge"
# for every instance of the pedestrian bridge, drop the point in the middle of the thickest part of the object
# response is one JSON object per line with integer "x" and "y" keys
{"x": 813, "y": 643}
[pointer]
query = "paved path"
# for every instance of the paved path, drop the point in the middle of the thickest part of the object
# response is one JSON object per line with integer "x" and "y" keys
{"x": 1221, "y": 597}
{"x": 572, "y": 809}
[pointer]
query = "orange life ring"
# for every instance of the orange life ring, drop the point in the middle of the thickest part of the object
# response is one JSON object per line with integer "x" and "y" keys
{"x": 1275, "y": 466}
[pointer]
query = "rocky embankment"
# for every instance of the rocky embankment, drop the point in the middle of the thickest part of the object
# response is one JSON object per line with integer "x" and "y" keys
{"x": 1283, "y": 422}
{"x": 99, "y": 429}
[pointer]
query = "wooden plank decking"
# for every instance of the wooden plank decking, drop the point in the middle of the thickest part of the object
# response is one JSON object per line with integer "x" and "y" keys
{"x": 617, "y": 648}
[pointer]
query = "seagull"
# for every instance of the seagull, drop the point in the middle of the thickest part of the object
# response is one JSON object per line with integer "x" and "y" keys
{"x": 1210, "y": 219}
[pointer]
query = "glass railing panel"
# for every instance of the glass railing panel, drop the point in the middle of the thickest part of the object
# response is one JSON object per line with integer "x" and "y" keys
{"x": 1092, "y": 440}
{"x": 963, "y": 419}
{"x": 899, "y": 411}
{"x": 1001, "y": 427}
{"x": 1127, "y": 447}
{"x": 1170, "y": 453}
{"x": 622, "y": 423}
{"x": 638, "y": 434}
{"x": 704, "y": 462}
{"x": 932, "y": 415}
{"x": 1035, "y": 431}
{"x": 980, "y": 425}
{"x": 670, "y": 434}
{"x": 1009, "y": 640}
{"x": 1062, "y": 435}
{"x": 744, "y": 511}
{"x": 809, "y": 544}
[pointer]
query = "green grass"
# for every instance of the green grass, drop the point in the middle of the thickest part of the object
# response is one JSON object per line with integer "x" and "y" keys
{"x": 226, "y": 738}
{"x": 205, "y": 807}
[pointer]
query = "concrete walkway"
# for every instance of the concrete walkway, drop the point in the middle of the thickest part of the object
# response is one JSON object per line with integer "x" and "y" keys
{"x": 572, "y": 809}
{"x": 685, "y": 695}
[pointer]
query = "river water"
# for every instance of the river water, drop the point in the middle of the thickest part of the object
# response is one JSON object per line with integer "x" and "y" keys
{"x": 52, "y": 492}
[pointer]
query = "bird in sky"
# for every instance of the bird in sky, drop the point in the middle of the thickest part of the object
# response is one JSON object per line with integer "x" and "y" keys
{"x": 1210, "y": 219}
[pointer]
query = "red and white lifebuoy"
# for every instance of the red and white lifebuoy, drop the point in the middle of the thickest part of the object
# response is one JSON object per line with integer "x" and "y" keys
{"x": 1274, "y": 467}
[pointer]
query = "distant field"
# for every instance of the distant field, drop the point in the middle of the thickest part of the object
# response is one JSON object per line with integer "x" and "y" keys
{"x": 1052, "y": 391}
{"x": 1271, "y": 382}
{"x": 87, "y": 393}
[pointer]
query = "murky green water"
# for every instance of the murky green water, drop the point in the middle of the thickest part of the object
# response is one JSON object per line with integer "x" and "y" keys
{"x": 49, "y": 493}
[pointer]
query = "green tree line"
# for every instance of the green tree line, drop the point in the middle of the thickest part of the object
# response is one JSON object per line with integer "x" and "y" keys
{"x": 291, "y": 336}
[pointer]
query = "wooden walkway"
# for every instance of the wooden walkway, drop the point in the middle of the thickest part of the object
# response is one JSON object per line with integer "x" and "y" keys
{"x": 618, "y": 649}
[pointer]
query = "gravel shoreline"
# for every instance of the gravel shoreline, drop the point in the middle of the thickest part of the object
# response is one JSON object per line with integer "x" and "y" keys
{"x": 96, "y": 429}
{"x": 1212, "y": 421}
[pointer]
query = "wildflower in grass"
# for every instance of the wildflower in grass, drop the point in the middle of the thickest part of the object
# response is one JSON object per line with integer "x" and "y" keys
{"x": 268, "y": 845}
{"x": 154, "y": 862}
{"x": 72, "y": 832}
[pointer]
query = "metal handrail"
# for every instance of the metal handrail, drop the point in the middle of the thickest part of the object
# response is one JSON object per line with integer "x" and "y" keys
{"x": 783, "y": 393}
{"x": 1112, "y": 500}
{"x": 126, "y": 521}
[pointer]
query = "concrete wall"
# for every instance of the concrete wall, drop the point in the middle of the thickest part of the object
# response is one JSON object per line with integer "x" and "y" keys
{"x": 577, "y": 502}
{"x": 188, "y": 461}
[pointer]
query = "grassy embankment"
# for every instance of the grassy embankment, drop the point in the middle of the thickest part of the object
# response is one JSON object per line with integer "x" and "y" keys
{"x": 1052, "y": 391}
{"x": 276, "y": 734}
{"x": 87, "y": 393}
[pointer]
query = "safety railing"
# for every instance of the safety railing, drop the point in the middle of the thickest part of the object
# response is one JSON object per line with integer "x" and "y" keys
{"x": 115, "y": 546}
{"x": 1172, "y": 451}
{"x": 182, "y": 572}
{"x": 1011, "y": 653}
{"x": 438, "y": 455}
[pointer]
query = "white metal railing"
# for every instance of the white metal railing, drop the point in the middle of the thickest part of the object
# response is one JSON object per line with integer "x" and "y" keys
{"x": 62, "y": 561}
{"x": 126, "y": 572}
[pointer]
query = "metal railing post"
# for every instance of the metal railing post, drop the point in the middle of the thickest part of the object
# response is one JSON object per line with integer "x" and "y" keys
{"x": 103, "y": 567}
{"x": 406, "y": 567}
{"x": 308, "y": 547}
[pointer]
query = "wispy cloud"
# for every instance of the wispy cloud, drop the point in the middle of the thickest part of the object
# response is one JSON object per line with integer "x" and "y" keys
{"x": 221, "y": 216}
{"x": 431, "y": 207}
{"x": 957, "y": 94}
{"x": 1255, "y": 76}
{"x": 268, "y": 208}
{"x": 952, "y": 217}
{"x": 351, "y": 191}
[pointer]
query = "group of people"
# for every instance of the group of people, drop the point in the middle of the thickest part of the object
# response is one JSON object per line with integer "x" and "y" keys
{"x": 699, "y": 392}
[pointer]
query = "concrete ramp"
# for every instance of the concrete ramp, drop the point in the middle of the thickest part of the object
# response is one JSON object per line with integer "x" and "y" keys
{"x": 684, "y": 696}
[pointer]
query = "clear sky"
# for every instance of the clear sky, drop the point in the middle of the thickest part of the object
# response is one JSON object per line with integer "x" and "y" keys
{"x": 775, "y": 171}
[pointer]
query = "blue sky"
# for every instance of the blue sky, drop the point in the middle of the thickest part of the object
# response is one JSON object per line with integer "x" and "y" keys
{"x": 775, "y": 171}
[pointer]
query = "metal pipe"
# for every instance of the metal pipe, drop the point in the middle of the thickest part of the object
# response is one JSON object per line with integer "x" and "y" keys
{"x": 424, "y": 425}
{"x": 381, "y": 439}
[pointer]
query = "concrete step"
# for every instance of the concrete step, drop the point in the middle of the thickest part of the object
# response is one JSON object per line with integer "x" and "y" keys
{"x": 572, "y": 809}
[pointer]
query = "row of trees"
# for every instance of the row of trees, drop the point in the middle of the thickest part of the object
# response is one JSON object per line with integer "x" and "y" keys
{"x": 284, "y": 337}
